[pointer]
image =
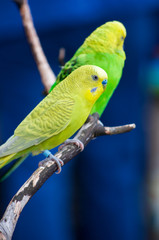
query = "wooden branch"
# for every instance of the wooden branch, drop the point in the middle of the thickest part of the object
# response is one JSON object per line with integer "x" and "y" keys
{"x": 47, "y": 76}
{"x": 100, "y": 131}
{"x": 62, "y": 56}
{"x": 88, "y": 131}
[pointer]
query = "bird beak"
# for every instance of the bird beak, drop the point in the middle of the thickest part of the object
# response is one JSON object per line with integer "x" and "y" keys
{"x": 104, "y": 83}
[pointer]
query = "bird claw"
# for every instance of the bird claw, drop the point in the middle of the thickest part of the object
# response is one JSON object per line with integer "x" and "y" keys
{"x": 51, "y": 157}
{"x": 77, "y": 142}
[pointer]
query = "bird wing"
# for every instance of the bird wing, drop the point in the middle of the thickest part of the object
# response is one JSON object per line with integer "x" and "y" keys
{"x": 69, "y": 67}
{"x": 45, "y": 121}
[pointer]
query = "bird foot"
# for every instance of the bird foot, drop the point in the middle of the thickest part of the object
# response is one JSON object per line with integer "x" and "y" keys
{"x": 49, "y": 156}
{"x": 77, "y": 142}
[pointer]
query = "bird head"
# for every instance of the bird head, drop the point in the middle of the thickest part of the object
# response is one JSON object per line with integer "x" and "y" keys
{"x": 116, "y": 33}
{"x": 108, "y": 38}
{"x": 93, "y": 81}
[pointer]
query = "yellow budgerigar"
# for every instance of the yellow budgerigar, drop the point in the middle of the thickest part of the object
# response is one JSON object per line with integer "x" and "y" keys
{"x": 57, "y": 117}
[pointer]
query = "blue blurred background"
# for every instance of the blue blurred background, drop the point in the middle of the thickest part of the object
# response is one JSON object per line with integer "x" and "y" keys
{"x": 100, "y": 194}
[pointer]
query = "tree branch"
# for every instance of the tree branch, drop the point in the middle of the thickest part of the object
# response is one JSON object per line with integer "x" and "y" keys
{"x": 100, "y": 131}
{"x": 92, "y": 128}
{"x": 62, "y": 52}
{"x": 47, "y": 76}
{"x": 88, "y": 131}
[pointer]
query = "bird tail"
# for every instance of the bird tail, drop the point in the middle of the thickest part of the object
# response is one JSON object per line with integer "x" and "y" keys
{"x": 7, "y": 159}
{"x": 13, "y": 148}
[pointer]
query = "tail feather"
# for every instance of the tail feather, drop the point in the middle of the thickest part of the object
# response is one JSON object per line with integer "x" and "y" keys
{"x": 7, "y": 159}
{"x": 14, "y": 145}
{"x": 13, "y": 167}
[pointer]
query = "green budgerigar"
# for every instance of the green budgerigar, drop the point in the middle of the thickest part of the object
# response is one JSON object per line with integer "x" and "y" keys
{"x": 103, "y": 48}
{"x": 57, "y": 117}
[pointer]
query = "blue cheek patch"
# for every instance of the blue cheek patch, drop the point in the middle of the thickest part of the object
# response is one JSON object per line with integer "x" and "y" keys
{"x": 93, "y": 89}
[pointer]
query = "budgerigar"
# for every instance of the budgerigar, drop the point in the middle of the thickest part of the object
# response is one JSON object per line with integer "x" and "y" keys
{"x": 103, "y": 48}
{"x": 58, "y": 116}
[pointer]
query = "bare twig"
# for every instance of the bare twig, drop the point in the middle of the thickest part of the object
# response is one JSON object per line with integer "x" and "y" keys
{"x": 88, "y": 131}
{"x": 62, "y": 56}
{"x": 47, "y": 76}
{"x": 113, "y": 130}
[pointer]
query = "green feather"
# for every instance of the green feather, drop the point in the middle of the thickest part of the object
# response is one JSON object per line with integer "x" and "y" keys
{"x": 13, "y": 167}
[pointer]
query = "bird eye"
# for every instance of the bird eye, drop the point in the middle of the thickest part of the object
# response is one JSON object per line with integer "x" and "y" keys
{"x": 95, "y": 77}
{"x": 122, "y": 38}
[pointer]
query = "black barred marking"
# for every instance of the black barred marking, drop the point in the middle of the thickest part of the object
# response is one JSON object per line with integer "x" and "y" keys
{"x": 69, "y": 67}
